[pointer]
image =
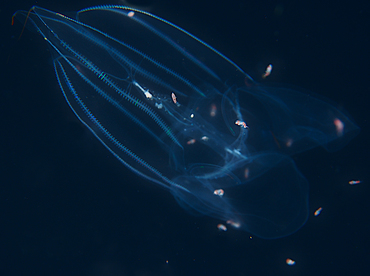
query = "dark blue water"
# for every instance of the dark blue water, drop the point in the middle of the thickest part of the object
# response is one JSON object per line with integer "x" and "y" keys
{"x": 69, "y": 208}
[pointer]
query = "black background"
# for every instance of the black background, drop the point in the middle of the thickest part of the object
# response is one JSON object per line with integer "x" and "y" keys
{"x": 67, "y": 207}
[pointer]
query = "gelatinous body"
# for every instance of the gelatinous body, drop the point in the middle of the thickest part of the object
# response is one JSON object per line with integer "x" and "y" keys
{"x": 180, "y": 114}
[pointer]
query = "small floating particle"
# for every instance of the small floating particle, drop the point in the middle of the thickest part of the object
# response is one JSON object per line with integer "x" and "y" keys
{"x": 174, "y": 98}
{"x": 213, "y": 112}
{"x": 205, "y": 138}
{"x": 240, "y": 123}
{"x": 289, "y": 143}
{"x": 219, "y": 192}
{"x": 339, "y": 126}
{"x": 354, "y": 182}
{"x": 191, "y": 141}
{"x": 221, "y": 227}
{"x": 267, "y": 71}
{"x": 246, "y": 173}
{"x": 290, "y": 262}
{"x": 233, "y": 223}
{"x": 317, "y": 212}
